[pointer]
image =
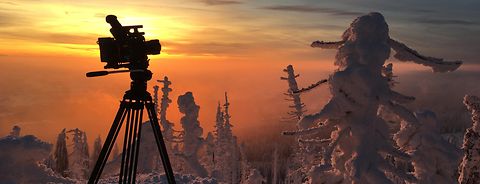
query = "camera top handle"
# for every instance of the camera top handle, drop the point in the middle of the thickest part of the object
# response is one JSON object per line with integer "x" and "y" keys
{"x": 117, "y": 30}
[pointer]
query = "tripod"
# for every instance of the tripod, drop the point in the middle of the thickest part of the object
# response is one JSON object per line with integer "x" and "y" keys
{"x": 131, "y": 112}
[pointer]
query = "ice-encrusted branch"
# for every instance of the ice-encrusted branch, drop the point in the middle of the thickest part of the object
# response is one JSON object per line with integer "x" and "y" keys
{"x": 327, "y": 155}
{"x": 312, "y": 86}
{"x": 327, "y": 123}
{"x": 326, "y": 45}
{"x": 314, "y": 141}
{"x": 404, "y": 53}
{"x": 402, "y": 112}
{"x": 399, "y": 98}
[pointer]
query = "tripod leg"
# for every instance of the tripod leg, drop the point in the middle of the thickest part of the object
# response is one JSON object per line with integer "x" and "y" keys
{"x": 160, "y": 144}
{"x": 125, "y": 144}
{"x": 138, "y": 143}
{"x": 133, "y": 146}
{"x": 107, "y": 146}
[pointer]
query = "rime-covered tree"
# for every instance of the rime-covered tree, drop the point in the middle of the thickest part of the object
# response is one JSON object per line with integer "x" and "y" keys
{"x": 297, "y": 106}
{"x": 470, "y": 165}
{"x": 233, "y": 170}
{"x": 226, "y": 155}
{"x": 227, "y": 127}
{"x": 192, "y": 133}
{"x": 219, "y": 122}
{"x": 210, "y": 152}
{"x": 79, "y": 156}
{"x": 355, "y": 151}
{"x": 275, "y": 165}
{"x": 434, "y": 159}
{"x": 115, "y": 152}
{"x": 60, "y": 154}
{"x": 164, "y": 103}
{"x": 172, "y": 139}
{"x": 97, "y": 147}
{"x": 304, "y": 153}
{"x": 15, "y": 131}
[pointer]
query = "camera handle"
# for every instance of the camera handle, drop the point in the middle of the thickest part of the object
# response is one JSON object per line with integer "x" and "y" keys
{"x": 104, "y": 72}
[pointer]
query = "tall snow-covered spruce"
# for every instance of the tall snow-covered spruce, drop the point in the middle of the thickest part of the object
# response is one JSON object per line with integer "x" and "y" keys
{"x": 60, "y": 154}
{"x": 79, "y": 157}
{"x": 470, "y": 166}
{"x": 228, "y": 164}
{"x": 97, "y": 147}
{"x": 355, "y": 151}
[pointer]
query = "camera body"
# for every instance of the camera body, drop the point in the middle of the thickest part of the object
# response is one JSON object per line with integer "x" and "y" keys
{"x": 127, "y": 48}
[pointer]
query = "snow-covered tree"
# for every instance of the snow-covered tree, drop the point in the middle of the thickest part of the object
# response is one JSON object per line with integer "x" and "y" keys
{"x": 245, "y": 165}
{"x": 60, "y": 154}
{"x": 355, "y": 151}
{"x": 15, "y": 133}
{"x": 298, "y": 106}
{"x": 115, "y": 152}
{"x": 79, "y": 156}
{"x": 304, "y": 155}
{"x": 227, "y": 127}
{"x": 168, "y": 132}
{"x": 434, "y": 159}
{"x": 470, "y": 166}
{"x": 97, "y": 147}
{"x": 275, "y": 165}
{"x": 209, "y": 158}
{"x": 192, "y": 133}
{"x": 227, "y": 153}
{"x": 219, "y": 122}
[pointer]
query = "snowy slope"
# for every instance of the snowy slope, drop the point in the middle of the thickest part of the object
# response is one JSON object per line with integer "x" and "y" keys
{"x": 20, "y": 161}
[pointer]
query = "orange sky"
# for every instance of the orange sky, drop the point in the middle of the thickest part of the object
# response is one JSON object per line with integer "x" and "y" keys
{"x": 209, "y": 47}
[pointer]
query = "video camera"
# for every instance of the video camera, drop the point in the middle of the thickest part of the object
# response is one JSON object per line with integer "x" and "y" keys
{"x": 127, "y": 48}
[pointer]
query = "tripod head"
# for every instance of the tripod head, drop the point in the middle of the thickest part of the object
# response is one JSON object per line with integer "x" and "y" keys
{"x": 127, "y": 49}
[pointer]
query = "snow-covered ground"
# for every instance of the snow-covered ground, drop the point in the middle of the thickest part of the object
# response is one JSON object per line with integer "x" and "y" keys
{"x": 156, "y": 178}
{"x": 21, "y": 161}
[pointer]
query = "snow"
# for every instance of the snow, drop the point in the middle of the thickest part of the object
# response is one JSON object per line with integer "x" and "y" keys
{"x": 469, "y": 168}
{"x": 433, "y": 158}
{"x": 21, "y": 161}
{"x": 156, "y": 178}
{"x": 255, "y": 177}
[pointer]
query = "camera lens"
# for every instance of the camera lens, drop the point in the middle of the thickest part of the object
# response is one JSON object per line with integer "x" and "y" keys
{"x": 152, "y": 47}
